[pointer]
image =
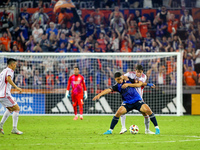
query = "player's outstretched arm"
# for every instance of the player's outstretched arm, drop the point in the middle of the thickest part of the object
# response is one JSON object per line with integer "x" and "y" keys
{"x": 149, "y": 84}
{"x": 13, "y": 84}
{"x": 132, "y": 85}
{"x": 106, "y": 91}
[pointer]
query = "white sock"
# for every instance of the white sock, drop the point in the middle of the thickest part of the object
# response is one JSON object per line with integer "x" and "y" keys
{"x": 146, "y": 122}
{"x": 81, "y": 115}
{"x": 123, "y": 119}
{"x": 15, "y": 118}
{"x": 5, "y": 116}
{"x": 156, "y": 127}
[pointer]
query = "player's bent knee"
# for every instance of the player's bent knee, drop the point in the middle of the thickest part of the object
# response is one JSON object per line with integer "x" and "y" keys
{"x": 16, "y": 108}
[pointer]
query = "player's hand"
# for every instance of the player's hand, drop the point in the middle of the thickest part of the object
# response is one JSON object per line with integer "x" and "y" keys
{"x": 96, "y": 97}
{"x": 85, "y": 96}
{"x": 125, "y": 86}
{"x": 19, "y": 89}
{"x": 151, "y": 85}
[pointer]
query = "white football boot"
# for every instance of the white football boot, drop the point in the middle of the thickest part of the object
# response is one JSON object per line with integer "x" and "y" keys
{"x": 1, "y": 128}
{"x": 123, "y": 130}
{"x": 16, "y": 131}
{"x": 149, "y": 132}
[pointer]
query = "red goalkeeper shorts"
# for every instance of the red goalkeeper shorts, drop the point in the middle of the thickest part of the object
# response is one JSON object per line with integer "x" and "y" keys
{"x": 77, "y": 99}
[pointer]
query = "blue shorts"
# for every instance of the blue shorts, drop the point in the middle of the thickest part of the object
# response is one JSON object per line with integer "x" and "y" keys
{"x": 137, "y": 105}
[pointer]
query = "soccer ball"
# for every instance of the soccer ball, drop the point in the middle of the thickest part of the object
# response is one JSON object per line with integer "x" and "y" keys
{"x": 134, "y": 129}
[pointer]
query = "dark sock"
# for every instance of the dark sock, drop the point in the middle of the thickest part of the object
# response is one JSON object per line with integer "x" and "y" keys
{"x": 153, "y": 119}
{"x": 114, "y": 122}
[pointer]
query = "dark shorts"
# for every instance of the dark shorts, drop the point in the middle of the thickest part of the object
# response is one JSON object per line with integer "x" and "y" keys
{"x": 137, "y": 105}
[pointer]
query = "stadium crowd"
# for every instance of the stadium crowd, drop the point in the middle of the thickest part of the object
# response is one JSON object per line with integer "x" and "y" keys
{"x": 37, "y": 33}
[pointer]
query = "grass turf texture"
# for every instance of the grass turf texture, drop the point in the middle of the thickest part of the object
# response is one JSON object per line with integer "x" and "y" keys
{"x": 62, "y": 132}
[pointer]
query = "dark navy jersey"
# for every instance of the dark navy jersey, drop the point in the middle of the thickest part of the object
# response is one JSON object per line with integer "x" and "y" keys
{"x": 129, "y": 95}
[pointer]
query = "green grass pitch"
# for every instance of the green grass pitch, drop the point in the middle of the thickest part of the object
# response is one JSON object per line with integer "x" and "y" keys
{"x": 62, "y": 132}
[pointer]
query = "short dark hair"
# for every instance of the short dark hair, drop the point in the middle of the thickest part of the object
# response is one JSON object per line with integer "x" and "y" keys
{"x": 76, "y": 67}
{"x": 139, "y": 67}
{"x": 10, "y": 61}
{"x": 117, "y": 74}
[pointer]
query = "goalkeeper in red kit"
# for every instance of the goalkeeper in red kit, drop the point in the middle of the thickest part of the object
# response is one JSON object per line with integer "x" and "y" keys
{"x": 78, "y": 84}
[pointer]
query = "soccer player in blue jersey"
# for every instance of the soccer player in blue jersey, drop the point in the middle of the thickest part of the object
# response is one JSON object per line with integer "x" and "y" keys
{"x": 131, "y": 100}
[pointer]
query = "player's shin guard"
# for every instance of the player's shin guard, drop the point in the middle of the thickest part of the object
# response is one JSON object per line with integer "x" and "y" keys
{"x": 5, "y": 116}
{"x": 81, "y": 109}
{"x": 114, "y": 122}
{"x": 153, "y": 119}
{"x": 15, "y": 118}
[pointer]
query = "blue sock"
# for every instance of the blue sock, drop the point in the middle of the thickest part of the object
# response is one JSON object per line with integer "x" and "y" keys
{"x": 153, "y": 119}
{"x": 114, "y": 122}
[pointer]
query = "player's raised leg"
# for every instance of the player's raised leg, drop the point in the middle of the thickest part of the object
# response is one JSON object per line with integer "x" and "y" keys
{"x": 145, "y": 109}
{"x": 123, "y": 119}
{"x": 122, "y": 110}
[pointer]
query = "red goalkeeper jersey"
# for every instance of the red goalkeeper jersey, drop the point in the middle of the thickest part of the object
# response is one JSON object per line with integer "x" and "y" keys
{"x": 78, "y": 84}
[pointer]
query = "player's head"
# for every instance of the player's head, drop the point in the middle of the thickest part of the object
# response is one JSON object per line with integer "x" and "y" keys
{"x": 76, "y": 70}
{"x": 12, "y": 63}
{"x": 139, "y": 70}
{"x": 118, "y": 77}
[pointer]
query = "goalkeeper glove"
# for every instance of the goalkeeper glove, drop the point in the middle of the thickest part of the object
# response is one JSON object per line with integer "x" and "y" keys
{"x": 67, "y": 95}
{"x": 150, "y": 84}
{"x": 85, "y": 95}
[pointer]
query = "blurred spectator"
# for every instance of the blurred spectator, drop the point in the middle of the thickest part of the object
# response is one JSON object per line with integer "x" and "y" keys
{"x": 143, "y": 26}
{"x": 137, "y": 16}
{"x": 137, "y": 39}
{"x": 61, "y": 38}
{"x": 97, "y": 48}
{"x": 53, "y": 42}
{"x": 41, "y": 17}
{"x": 44, "y": 43}
{"x": 147, "y": 3}
{"x": 5, "y": 41}
{"x": 134, "y": 3}
{"x": 191, "y": 40}
{"x": 20, "y": 41}
{"x": 6, "y": 21}
{"x": 197, "y": 61}
{"x": 90, "y": 42}
{"x": 126, "y": 43}
{"x": 118, "y": 23}
{"x": 20, "y": 79}
{"x": 161, "y": 75}
{"x": 15, "y": 49}
{"x": 76, "y": 27}
{"x": 126, "y": 48}
{"x": 24, "y": 14}
{"x": 114, "y": 40}
{"x": 148, "y": 40}
{"x": 30, "y": 44}
{"x": 172, "y": 24}
{"x": 40, "y": 4}
{"x": 132, "y": 27}
{"x": 4, "y": 2}
{"x": 98, "y": 18}
{"x": 116, "y": 12}
{"x": 52, "y": 29}
{"x": 49, "y": 80}
{"x": 90, "y": 27}
{"x": 176, "y": 42}
{"x": 37, "y": 79}
{"x": 188, "y": 62}
{"x": 37, "y": 31}
{"x": 164, "y": 14}
{"x": 64, "y": 17}
{"x": 23, "y": 28}
{"x": 63, "y": 29}
{"x": 161, "y": 27}
{"x": 52, "y": 4}
{"x": 62, "y": 48}
{"x": 190, "y": 77}
{"x": 186, "y": 20}
{"x": 102, "y": 42}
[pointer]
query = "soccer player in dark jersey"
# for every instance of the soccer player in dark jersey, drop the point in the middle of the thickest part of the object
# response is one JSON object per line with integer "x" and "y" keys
{"x": 131, "y": 100}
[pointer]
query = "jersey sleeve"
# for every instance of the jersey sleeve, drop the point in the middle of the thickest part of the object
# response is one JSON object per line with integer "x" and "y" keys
{"x": 143, "y": 78}
{"x": 127, "y": 74}
{"x": 10, "y": 73}
{"x": 114, "y": 88}
{"x": 83, "y": 82}
{"x": 68, "y": 84}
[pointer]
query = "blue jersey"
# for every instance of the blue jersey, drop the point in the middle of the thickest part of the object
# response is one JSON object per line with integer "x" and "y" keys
{"x": 129, "y": 94}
